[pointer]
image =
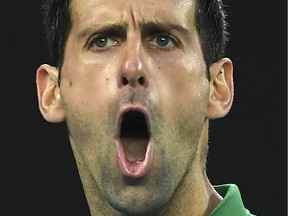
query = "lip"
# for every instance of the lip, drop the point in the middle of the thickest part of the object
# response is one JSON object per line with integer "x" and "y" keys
{"x": 133, "y": 169}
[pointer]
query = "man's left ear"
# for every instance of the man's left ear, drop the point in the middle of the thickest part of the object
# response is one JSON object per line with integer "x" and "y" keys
{"x": 221, "y": 89}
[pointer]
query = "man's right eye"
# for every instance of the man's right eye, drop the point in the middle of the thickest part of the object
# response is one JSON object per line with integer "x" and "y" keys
{"x": 100, "y": 42}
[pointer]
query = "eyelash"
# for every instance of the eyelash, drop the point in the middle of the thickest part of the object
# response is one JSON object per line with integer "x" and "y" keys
{"x": 102, "y": 36}
{"x": 151, "y": 41}
{"x": 172, "y": 39}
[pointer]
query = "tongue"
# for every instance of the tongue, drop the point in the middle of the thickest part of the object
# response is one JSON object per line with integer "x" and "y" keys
{"x": 135, "y": 159}
{"x": 134, "y": 148}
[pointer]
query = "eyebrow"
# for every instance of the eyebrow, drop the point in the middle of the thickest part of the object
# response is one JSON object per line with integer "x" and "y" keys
{"x": 120, "y": 29}
{"x": 151, "y": 27}
{"x": 117, "y": 28}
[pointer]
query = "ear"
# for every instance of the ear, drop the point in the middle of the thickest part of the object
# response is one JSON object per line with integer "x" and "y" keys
{"x": 49, "y": 98}
{"x": 221, "y": 89}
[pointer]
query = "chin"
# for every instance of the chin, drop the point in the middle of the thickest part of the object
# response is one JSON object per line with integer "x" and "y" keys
{"x": 138, "y": 208}
{"x": 138, "y": 203}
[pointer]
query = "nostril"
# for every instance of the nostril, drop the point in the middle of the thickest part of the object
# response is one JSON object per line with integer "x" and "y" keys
{"x": 125, "y": 81}
{"x": 141, "y": 80}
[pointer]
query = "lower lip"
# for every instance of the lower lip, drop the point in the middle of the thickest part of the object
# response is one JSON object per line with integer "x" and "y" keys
{"x": 134, "y": 169}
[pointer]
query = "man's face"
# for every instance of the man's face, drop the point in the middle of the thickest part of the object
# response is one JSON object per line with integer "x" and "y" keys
{"x": 135, "y": 95}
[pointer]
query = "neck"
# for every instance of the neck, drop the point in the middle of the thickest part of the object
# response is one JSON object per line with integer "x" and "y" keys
{"x": 198, "y": 198}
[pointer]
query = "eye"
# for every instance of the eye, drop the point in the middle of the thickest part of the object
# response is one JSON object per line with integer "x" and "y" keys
{"x": 164, "y": 40}
{"x": 100, "y": 42}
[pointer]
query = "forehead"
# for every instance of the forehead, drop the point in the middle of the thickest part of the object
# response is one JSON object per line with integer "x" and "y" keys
{"x": 179, "y": 12}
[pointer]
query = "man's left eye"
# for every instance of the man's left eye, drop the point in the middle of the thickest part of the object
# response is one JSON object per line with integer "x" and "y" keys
{"x": 163, "y": 41}
{"x": 103, "y": 42}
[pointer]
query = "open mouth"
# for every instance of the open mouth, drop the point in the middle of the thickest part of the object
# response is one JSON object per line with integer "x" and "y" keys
{"x": 134, "y": 136}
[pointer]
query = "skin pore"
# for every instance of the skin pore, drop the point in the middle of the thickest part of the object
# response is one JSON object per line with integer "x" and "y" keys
{"x": 138, "y": 55}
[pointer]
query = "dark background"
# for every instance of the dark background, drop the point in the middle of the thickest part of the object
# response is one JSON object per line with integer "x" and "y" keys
{"x": 38, "y": 175}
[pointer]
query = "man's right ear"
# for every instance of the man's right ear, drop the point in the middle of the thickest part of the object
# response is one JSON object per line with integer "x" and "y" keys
{"x": 49, "y": 98}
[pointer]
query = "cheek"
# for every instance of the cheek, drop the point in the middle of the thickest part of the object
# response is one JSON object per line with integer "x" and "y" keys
{"x": 88, "y": 87}
{"x": 182, "y": 97}
{"x": 88, "y": 80}
{"x": 183, "y": 87}
{"x": 85, "y": 95}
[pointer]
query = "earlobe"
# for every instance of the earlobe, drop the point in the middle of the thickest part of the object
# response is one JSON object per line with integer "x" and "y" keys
{"x": 221, "y": 89}
{"x": 49, "y": 98}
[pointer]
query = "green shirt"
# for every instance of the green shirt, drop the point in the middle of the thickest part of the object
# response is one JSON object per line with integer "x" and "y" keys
{"x": 232, "y": 204}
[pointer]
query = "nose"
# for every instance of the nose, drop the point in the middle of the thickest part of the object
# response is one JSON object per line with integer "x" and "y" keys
{"x": 132, "y": 72}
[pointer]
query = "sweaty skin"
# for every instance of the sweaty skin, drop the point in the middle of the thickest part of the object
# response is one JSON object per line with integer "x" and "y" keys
{"x": 142, "y": 55}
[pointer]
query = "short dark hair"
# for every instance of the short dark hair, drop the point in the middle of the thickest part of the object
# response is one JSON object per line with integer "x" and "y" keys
{"x": 57, "y": 24}
{"x": 210, "y": 20}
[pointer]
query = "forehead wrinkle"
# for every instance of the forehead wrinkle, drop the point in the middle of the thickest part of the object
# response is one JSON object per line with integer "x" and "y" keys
{"x": 134, "y": 25}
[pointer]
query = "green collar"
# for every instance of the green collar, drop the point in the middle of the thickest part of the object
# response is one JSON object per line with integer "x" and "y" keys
{"x": 232, "y": 202}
